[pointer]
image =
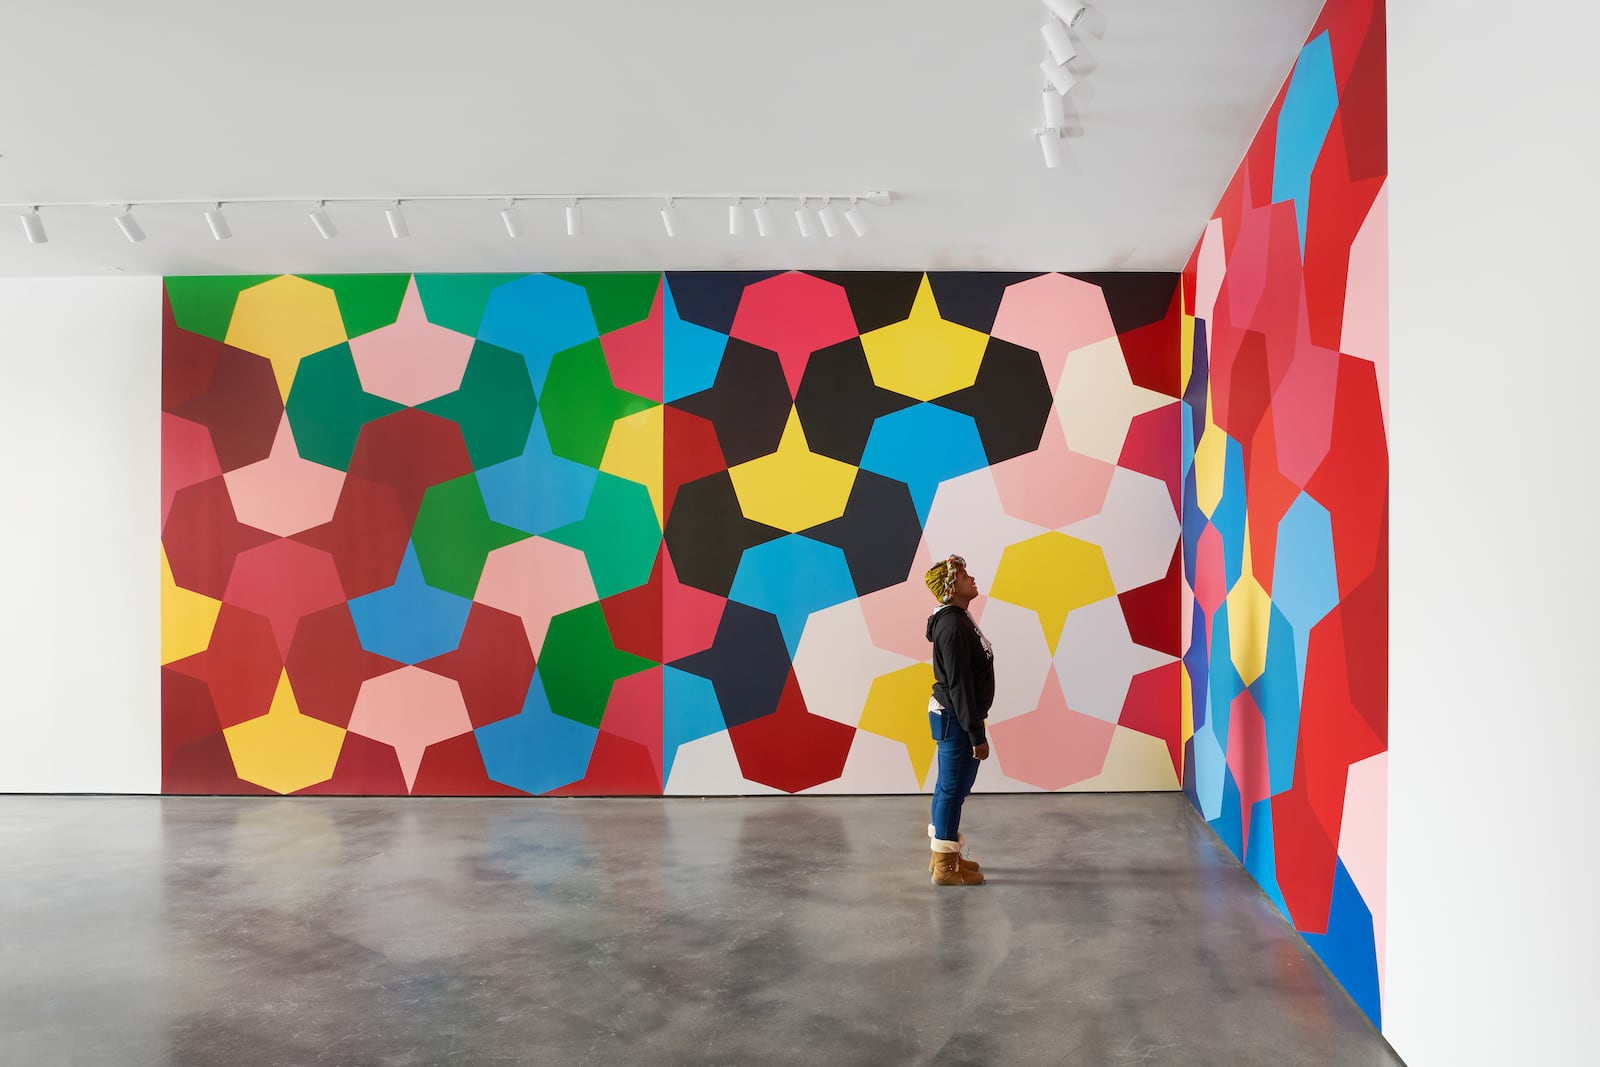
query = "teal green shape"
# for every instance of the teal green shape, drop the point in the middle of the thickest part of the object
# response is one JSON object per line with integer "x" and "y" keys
{"x": 454, "y": 535}
{"x": 457, "y": 301}
{"x": 204, "y": 305}
{"x": 327, "y": 407}
{"x": 580, "y": 403}
{"x": 618, "y": 535}
{"x": 367, "y": 302}
{"x": 579, "y": 664}
{"x": 619, "y": 299}
{"x": 494, "y": 406}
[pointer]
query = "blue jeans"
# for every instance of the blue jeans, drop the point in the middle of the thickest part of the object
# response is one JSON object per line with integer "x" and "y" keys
{"x": 958, "y": 769}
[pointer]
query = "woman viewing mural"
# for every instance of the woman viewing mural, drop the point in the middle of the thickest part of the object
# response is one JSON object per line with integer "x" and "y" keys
{"x": 963, "y": 691}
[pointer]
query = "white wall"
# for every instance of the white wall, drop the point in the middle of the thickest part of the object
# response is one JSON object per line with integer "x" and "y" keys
{"x": 1494, "y": 743}
{"x": 80, "y": 437}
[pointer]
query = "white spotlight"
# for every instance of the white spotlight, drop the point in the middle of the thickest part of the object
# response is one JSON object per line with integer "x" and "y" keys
{"x": 802, "y": 219}
{"x": 1050, "y": 145}
{"x": 1058, "y": 40}
{"x": 33, "y": 226}
{"x": 669, "y": 218}
{"x": 829, "y": 217}
{"x": 397, "y": 221}
{"x": 511, "y": 220}
{"x": 1068, "y": 11}
{"x": 857, "y": 221}
{"x": 574, "y": 220}
{"x": 220, "y": 230}
{"x": 319, "y": 218}
{"x": 1060, "y": 77}
{"x": 129, "y": 225}
{"x": 1055, "y": 111}
{"x": 763, "y": 218}
{"x": 735, "y": 218}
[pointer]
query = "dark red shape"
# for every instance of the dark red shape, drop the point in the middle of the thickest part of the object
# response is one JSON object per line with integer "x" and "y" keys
{"x": 1153, "y": 706}
{"x": 187, "y": 361}
{"x": 618, "y": 767}
{"x": 1239, "y": 410}
{"x": 634, "y": 616}
{"x": 366, "y": 537}
{"x": 410, "y": 450}
{"x": 1154, "y": 612}
{"x": 203, "y": 537}
{"x": 454, "y": 768}
{"x": 365, "y": 768}
{"x": 1152, "y": 352}
{"x": 1364, "y": 91}
{"x": 242, "y": 665}
{"x": 187, "y": 713}
{"x": 1153, "y": 446}
{"x": 284, "y": 580}
{"x": 1268, "y": 496}
{"x": 1366, "y": 640}
{"x": 242, "y": 407}
{"x": 327, "y": 665}
{"x": 690, "y": 450}
{"x": 205, "y": 767}
{"x": 1352, "y": 481}
{"x": 493, "y": 665}
{"x": 792, "y": 749}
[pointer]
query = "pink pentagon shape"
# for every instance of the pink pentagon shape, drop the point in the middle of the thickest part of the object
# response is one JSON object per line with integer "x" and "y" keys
{"x": 1052, "y": 746}
{"x": 410, "y": 709}
{"x": 897, "y": 616}
{"x": 1247, "y": 755}
{"x": 536, "y": 580}
{"x": 634, "y": 712}
{"x": 411, "y": 360}
{"x": 1053, "y": 314}
{"x": 1053, "y": 486}
{"x": 794, "y": 315}
{"x": 1210, "y": 572}
{"x": 284, "y": 494}
{"x": 1211, "y": 263}
{"x": 187, "y": 458}
{"x": 1152, "y": 448}
{"x": 1365, "y": 332}
{"x": 284, "y": 580}
{"x": 634, "y": 354}
{"x": 1302, "y": 412}
{"x": 1363, "y": 839}
{"x": 689, "y": 616}
{"x": 1239, "y": 292}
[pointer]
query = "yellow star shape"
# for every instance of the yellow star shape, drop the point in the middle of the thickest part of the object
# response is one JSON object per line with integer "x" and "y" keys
{"x": 923, "y": 356}
{"x": 793, "y": 489}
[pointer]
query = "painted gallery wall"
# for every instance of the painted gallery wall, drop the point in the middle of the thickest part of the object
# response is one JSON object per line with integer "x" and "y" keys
{"x": 646, "y": 533}
{"x": 1286, "y": 503}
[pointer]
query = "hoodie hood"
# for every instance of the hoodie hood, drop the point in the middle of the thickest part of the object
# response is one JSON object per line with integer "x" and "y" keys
{"x": 934, "y": 618}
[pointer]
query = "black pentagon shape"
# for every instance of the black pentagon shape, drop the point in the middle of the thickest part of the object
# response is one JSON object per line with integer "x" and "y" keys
{"x": 1134, "y": 298}
{"x": 971, "y": 297}
{"x": 707, "y": 533}
{"x": 878, "y": 532}
{"x": 748, "y": 663}
{"x": 1010, "y": 400}
{"x": 877, "y": 297}
{"x": 838, "y": 400}
{"x": 711, "y": 298}
{"x": 748, "y": 403}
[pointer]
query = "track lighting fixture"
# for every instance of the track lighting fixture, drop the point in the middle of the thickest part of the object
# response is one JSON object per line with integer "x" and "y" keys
{"x": 1059, "y": 76}
{"x": 829, "y": 218}
{"x": 802, "y": 219}
{"x": 1058, "y": 40}
{"x": 396, "y": 220}
{"x": 33, "y": 227}
{"x": 511, "y": 220}
{"x": 324, "y": 224}
{"x": 129, "y": 225}
{"x": 1055, "y": 111}
{"x": 735, "y": 218}
{"x": 857, "y": 221}
{"x": 574, "y": 219}
{"x": 220, "y": 230}
{"x": 1050, "y": 145}
{"x": 669, "y": 218}
{"x": 1068, "y": 11}
{"x": 763, "y": 217}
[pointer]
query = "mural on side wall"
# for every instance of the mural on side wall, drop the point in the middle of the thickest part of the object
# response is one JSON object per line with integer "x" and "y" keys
{"x": 663, "y": 533}
{"x": 1286, "y": 503}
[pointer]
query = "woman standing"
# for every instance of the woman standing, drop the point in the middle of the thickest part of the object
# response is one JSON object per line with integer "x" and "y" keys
{"x": 963, "y": 690}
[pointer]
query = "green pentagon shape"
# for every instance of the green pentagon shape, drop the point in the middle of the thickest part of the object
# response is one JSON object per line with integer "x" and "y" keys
{"x": 204, "y": 305}
{"x": 454, "y": 535}
{"x": 327, "y": 407}
{"x": 579, "y": 664}
{"x": 494, "y": 406}
{"x": 580, "y": 403}
{"x": 457, "y": 301}
{"x": 619, "y": 535}
{"x": 617, "y": 300}
{"x": 367, "y": 302}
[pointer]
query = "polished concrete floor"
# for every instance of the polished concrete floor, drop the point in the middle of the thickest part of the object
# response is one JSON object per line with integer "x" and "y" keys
{"x": 234, "y": 932}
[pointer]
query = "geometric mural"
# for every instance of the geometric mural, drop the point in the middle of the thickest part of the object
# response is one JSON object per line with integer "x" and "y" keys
{"x": 664, "y": 532}
{"x": 1285, "y": 505}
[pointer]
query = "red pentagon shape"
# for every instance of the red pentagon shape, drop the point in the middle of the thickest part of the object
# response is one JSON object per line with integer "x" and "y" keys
{"x": 792, "y": 749}
{"x": 1154, "y": 706}
{"x": 1268, "y": 496}
{"x": 205, "y": 767}
{"x": 1239, "y": 408}
{"x": 1352, "y": 481}
{"x": 242, "y": 407}
{"x": 203, "y": 537}
{"x": 1364, "y": 93}
{"x": 365, "y": 768}
{"x": 1366, "y": 638}
{"x": 454, "y": 768}
{"x": 1153, "y": 446}
{"x": 1152, "y": 352}
{"x": 366, "y": 537}
{"x": 618, "y": 767}
{"x": 241, "y": 666}
{"x": 188, "y": 361}
{"x": 284, "y": 580}
{"x": 410, "y": 450}
{"x": 187, "y": 713}
{"x": 1305, "y": 855}
{"x": 634, "y": 616}
{"x": 327, "y": 665}
{"x": 493, "y": 665}
{"x": 1154, "y": 612}
{"x": 187, "y": 458}
{"x": 689, "y": 450}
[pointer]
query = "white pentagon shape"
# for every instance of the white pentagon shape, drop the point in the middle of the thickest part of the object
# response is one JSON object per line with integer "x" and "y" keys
{"x": 1097, "y": 399}
{"x": 1097, "y": 659}
{"x": 836, "y": 660}
{"x": 1137, "y": 529}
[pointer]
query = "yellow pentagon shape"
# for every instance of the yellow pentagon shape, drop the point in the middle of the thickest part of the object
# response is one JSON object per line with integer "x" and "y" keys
{"x": 634, "y": 452}
{"x": 1249, "y": 619}
{"x": 1052, "y": 575}
{"x": 284, "y": 750}
{"x": 1185, "y": 352}
{"x": 187, "y": 617}
{"x": 285, "y": 320}
{"x": 897, "y": 708}
{"x": 1186, "y": 706}
{"x": 1210, "y": 465}
{"x": 792, "y": 489}
{"x": 924, "y": 356}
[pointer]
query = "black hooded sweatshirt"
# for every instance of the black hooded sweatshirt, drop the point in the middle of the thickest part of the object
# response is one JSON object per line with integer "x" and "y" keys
{"x": 963, "y": 669}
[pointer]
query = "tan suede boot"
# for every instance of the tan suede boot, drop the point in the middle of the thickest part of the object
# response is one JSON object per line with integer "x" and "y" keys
{"x": 947, "y": 869}
{"x": 961, "y": 839}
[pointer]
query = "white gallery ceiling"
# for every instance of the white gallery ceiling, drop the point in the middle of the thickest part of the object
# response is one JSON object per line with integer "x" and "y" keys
{"x": 274, "y": 106}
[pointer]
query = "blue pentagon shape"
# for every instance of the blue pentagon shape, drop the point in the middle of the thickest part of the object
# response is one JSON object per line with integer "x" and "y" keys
{"x": 410, "y": 621}
{"x": 538, "y": 316}
{"x": 690, "y": 353}
{"x": 1260, "y": 854}
{"x": 1305, "y": 580}
{"x": 1309, "y": 104}
{"x": 790, "y": 578}
{"x": 538, "y": 491}
{"x": 1349, "y": 948}
{"x": 536, "y": 750}
{"x": 1277, "y": 695}
{"x": 689, "y": 711}
{"x": 923, "y": 445}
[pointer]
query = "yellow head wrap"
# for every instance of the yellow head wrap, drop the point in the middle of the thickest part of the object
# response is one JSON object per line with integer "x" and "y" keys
{"x": 941, "y": 578}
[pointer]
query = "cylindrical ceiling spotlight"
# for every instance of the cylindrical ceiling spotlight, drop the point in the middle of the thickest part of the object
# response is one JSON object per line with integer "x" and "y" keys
{"x": 857, "y": 220}
{"x": 802, "y": 219}
{"x": 1050, "y": 145}
{"x": 33, "y": 227}
{"x": 1058, "y": 40}
{"x": 511, "y": 220}
{"x": 736, "y": 218}
{"x": 319, "y": 218}
{"x": 829, "y": 217}
{"x": 574, "y": 220}
{"x": 129, "y": 225}
{"x": 396, "y": 220}
{"x": 763, "y": 218}
{"x": 1068, "y": 11}
{"x": 669, "y": 218}
{"x": 1060, "y": 77}
{"x": 220, "y": 230}
{"x": 1055, "y": 110}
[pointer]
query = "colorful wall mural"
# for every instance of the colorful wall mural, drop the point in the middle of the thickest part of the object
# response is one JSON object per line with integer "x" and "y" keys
{"x": 1285, "y": 535}
{"x": 646, "y": 533}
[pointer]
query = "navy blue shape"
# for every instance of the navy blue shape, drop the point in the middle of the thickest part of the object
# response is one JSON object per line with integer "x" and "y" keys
{"x": 707, "y": 534}
{"x": 748, "y": 404}
{"x": 1194, "y": 397}
{"x": 838, "y": 401}
{"x": 1134, "y": 298}
{"x": 711, "y": 298}
{"x": 878, "y": 532}
{"x": 970, "y": 297}
{"x": 748, "y": 664}
{"x": 1010, "y": 400}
